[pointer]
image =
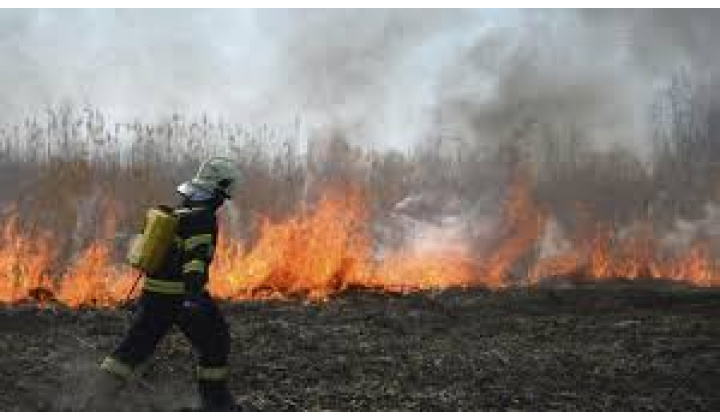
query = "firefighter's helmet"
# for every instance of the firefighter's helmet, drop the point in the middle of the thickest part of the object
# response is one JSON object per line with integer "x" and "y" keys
{"x": 216, "y": 176}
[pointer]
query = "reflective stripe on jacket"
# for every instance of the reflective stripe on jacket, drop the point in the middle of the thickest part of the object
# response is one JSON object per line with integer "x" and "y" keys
{"x": 166, "y": 287}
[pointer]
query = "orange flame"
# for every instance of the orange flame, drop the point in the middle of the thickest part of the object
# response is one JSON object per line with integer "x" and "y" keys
{"x": 93, "y": 280}
{"x": 24, "y": 263}
{"x": 607, "y": 256}
{"x": 315, "y": 253}
{"x": 522, "y": 224}
{"x": 404, "y": 271}
{"x": 328, "y": 248}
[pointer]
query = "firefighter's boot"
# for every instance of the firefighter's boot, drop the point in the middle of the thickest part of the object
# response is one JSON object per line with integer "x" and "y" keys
{"x": 215, "y": 396}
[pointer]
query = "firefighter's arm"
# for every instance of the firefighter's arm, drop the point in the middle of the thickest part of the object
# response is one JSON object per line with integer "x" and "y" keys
{"x": 198, "y": 254}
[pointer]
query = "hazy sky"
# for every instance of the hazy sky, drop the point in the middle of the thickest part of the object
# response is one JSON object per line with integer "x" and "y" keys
{"x": 382, "y": 75}
{"x": 339, "y": 67}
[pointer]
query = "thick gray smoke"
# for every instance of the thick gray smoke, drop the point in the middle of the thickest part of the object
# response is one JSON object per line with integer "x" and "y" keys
{"x": 367, "y": 72}
{"x": 548, "y": 72}
{"x": 384, "y": 77}
{"x": 395, "y": 78}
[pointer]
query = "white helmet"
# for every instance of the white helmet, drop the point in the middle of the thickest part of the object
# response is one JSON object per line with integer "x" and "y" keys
{"x": 216, "y": 175}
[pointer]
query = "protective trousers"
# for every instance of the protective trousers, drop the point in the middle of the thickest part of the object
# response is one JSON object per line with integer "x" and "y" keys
{"x": 204, "y": 327}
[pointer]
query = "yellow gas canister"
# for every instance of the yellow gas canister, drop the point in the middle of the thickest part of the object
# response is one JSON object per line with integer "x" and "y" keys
{"x": 148, "y": 250}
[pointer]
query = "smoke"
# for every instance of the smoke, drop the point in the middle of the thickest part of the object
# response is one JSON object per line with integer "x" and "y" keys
{"x": 550, "y": 72}
{"x": 535, "y": 79}
{"x": 398, "y": 78}
{"x": 385, "y": 77}
{"x": 365, "y": 72}
{"x": 132, "y": 63}
{"x": 370, "y": 74}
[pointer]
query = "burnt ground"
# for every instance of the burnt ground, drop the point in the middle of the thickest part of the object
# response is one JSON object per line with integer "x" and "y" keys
{"x": 610, "y": 347}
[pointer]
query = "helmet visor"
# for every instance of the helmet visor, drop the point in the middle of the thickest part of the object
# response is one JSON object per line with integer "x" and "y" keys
{"x": 193, "y": 192}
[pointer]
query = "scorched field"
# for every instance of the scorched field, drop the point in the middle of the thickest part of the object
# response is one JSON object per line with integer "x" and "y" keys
{"x": 355, "y": 279}
{"x": 614, "y": 346}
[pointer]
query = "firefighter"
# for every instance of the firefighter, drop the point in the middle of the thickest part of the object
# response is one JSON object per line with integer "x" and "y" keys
{"x": 175, "y": 294}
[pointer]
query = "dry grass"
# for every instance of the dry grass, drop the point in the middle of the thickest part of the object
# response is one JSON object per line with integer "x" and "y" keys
{"x": 65, "y": 168}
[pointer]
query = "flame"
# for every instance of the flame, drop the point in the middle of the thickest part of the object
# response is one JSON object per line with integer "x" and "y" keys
{"x": 403, "y": 271}
{"x": 315, "y": 253}
{"x": 92, "y": 279}
{"x": 325, "y": 249}
{"x": 24, "y": 262}
{"x": 606, "y": 255}
{"x": 522, "y": 224}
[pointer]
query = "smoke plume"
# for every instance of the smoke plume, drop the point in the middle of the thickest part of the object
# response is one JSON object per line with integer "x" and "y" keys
{"x": 583, "y": 95}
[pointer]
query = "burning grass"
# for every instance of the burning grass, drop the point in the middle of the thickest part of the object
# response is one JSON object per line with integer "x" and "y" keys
{"x": 326, "y": 249}
{"x": 448, "y": 330}
{"x": 560, "y": 209}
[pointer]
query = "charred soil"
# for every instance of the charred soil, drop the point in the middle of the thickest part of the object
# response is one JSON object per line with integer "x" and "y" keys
{"x": 610, "y": 346}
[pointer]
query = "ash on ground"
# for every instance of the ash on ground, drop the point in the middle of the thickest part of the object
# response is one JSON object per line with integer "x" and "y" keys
{"x": 607, "y": 346}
